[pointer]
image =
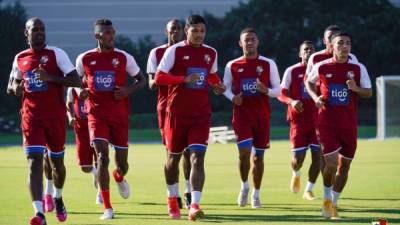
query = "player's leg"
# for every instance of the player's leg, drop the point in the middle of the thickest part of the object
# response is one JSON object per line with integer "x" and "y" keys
{"x": 186, "y": 173}
{"x": 122, "y": 166}
{"x": 313, "y": 171}
{"x": 49, "y": 185}
{"x": 298, "y": 140}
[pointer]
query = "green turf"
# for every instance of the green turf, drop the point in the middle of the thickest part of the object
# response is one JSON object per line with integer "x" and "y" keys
{"x": 373, "y": 189}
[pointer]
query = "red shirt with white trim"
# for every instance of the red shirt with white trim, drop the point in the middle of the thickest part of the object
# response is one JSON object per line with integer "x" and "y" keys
{"x": 155, "y": 57}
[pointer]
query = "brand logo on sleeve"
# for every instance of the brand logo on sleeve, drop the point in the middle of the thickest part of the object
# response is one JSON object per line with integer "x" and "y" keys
{"x": 338, "y": 94}
{"x": 201, "y": 83}
{"x": 249, "y": 87}
{"x": 34, "y": 83}
{"x": 104, "y": 80}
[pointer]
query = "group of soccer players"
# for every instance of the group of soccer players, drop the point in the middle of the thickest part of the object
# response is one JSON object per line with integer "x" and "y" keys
{"x": 320, "y": 92}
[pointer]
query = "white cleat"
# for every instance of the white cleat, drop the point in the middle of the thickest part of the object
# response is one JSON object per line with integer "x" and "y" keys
{"x": 99, "y": 199}
{"x": 107, "y": 215}
{"x": 123, "y": 188}
{"x": 242, "y": 198}
{"x": 255, "y": 203}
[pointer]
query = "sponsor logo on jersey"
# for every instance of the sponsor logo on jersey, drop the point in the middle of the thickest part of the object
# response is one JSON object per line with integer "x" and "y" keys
{"x": 259, "y": 70}
{"x": 207, "y": 58}
{"x": 249, "y": 87}
{"x": 186, "y": 57}
{"x": 44, "y": 59}
{"x": 104, "y": 80}
{"x": 350, "y": 75}
{"x": 338, "y": 94}
{"x": 201, "y": 83}
{"x": 34, "y": 83}
{"x": 115, "y": 62}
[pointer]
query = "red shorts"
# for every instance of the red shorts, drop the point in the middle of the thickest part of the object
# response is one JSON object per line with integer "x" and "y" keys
{"x": 334, "y": 139}
{"x": 161, "y": 121}
{"x": 85, "y": 154}
{"x": 303, "y": 136}
{"x": 252, "y": 133}
{"x": 39, "y": 134}
{"x": 111, "y": 129}
{"x": 186, "y": 131}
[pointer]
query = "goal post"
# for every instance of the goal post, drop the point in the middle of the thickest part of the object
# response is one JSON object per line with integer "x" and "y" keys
{"x": 388, "y": 107}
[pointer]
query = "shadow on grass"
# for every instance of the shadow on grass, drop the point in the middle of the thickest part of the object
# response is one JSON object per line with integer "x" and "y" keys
{"x": 372, "y": 199}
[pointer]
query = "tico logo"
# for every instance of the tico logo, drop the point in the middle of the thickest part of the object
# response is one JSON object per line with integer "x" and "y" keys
{"x": 104, "y": 80}
{"x": 249, "y": 87}
{"x": 34, "y": 83}
{"x": 338, "y": 94}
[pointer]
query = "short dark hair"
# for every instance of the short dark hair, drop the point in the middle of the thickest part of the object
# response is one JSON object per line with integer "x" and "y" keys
{"x": 101, "y": 22}
{"x": 340, "y": 33}
{"x": 332, "y": 27}
{"x": 248, "y": 30}
{"x": 194, "y": 19}
{"x": 306, "y": 42}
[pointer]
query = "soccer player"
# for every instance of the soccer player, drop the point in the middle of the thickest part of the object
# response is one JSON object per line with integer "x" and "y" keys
{"x": 174, "y": 33}
{"x": 250, "y": 81}
{"x": 85, "y": 153}
{"x": 301, "y": 114}
{"x": 341, "y": 81}
{"x": 105, "y": 69}
{"x": 40, "y": 72}
{"x": 189, "y": 67}
{"x": 327, "y": 52}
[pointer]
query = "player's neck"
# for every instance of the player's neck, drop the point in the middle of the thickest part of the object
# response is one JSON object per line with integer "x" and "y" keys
{"x": 341, "y": 59}
{"x": 252, "y": 55}
{"x": 104, "y": 50}
{"x": 172, "y": 42}
{"x": 195, "y": 45}
{"x": 304, "y": 61}
{"x": 37, "y": 48}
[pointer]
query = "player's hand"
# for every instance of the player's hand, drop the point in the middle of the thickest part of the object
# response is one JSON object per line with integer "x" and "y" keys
{"x": 41, "y": 73}
{"x": 120, "y": 92}
{"x": 19, "y": 88}
{"x": 219, "y": 88}
{"x": 71, "y": 122}
{"x": 261, "y": 87}
{"x": 352, "y": 85}
{"x": 237, "y": 99}
{"x": 297, "y": 105}
{"x": 319, "y": 102}
{"x": 83, "y": 93}
{"x": 194, "y": 77}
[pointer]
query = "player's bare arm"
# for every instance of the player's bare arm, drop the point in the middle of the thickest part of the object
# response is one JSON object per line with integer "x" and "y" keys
{"x": 152, "y": 84}
{"x": 362, "y": 92}
{"x": 261, "y": 87}
{"x": 192, "y": 78}
{"x": 311, "y": 89}
{"x": 70, "y": 114}
{"x": 237, "y": 99}
{"x": 18, "y": 87}
{"x": 70, "y": 80}
{"x": 123, "y": 92}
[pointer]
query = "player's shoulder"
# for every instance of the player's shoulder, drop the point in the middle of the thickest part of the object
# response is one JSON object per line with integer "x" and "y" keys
{"x": 122, "y": 52}
{"x": 323, "y": 63}
{"x": 295, "y": 66}
{"x": 265, "y": 59}
{"x": 87, "y": 53}
{"x": 160, "y": 47}
{"x": 356, "y": 64}
{"x": 209, "y": 48}
{"x": 54, "y": 48}
{"x": 233, "y": 61}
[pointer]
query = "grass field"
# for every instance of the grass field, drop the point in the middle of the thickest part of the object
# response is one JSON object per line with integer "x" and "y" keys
{"x": 373, "y": 189}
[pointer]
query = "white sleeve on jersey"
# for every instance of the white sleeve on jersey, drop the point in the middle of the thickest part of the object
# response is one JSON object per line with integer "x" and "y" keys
{"x": 287, "y": 78}
{"x": 79, "y": 66}
{"x": 274, "y": 80}
{"x": 310, "y": 64}
{"x": 168, "y": 60}
{"x": 353, "y": 58}
{"x": 63, "y": 61}
{"x": 313, "y": 76}
{"x": 365, "y": 81}
{"x": 15, "y": 71}
{"x": 228, "y": 81}
{"x": 70, "y": 97}
{"x": 152, "y": 62}
{"x": 214, "y": 67}
{"x": 131, "y": 66}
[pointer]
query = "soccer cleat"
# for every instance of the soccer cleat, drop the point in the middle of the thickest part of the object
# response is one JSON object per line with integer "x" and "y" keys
{"x": 48, "y": 203}
{"x": 123, "y": 188}
{"x": 188, "y": 200}
{"x": 335, "y": 215}
{"x": 38, "y": 219}
{"x": 308, "y": 195}
{"x": 99, "y": 199}
{"x": 173, "y": 210}
{"x": 61, "y": 212}
{"x": 195, "y": 212}
{"x": 242, "y": 198}
{"x": 255, "y": 203}
{"x": 327, "y": 209}
{"x": 179, "y": 199}
{"x": 108, "y": 214}
{"x": 295, "y": 184}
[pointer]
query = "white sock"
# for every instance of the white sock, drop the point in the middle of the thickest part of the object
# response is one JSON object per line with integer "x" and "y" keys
{"x": 296, "y": 173}
{"x": 335, "y": 197}
{"x": 94, "y": 171}
{"x": 171, "y": 190}
{"x": 245, "y": 186}
{"x": 49, "y": 187}
{"x": 188, "y": 187}
{"x": 196, "y": 195}
{"x": 177, "y": 190}
{"x": 57, "y": 192}
{"x": 327, "y": 193}
{"x": 256, "y": 193}
{"x": 38, "y": 206}
{"x": 309, "y": 186}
